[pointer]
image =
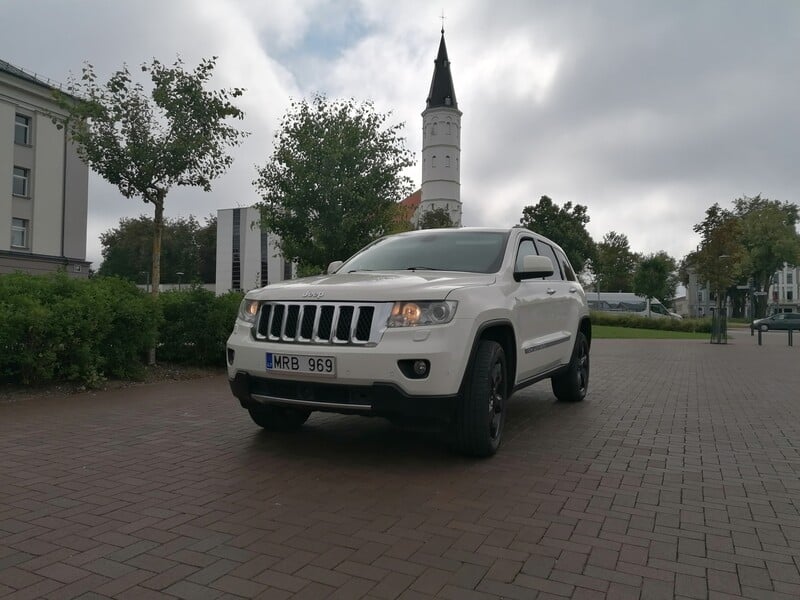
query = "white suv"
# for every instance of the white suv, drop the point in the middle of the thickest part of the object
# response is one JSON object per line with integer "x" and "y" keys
{"x": 441, "y": 324}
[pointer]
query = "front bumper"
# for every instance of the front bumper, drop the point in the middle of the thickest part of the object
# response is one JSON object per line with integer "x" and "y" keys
{"x": 384, "y": 400}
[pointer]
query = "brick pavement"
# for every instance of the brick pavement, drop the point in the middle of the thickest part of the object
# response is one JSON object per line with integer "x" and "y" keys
{"x": 678, "y": 477}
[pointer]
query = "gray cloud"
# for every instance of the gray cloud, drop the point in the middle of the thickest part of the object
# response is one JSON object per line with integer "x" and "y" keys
{"x": 645, "y": 111}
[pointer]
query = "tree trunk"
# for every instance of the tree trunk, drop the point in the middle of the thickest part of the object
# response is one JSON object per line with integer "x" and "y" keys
{"x": 158, "y": 227}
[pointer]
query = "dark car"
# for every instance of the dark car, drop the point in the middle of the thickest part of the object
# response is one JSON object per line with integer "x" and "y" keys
{"x": 778, "y": 321}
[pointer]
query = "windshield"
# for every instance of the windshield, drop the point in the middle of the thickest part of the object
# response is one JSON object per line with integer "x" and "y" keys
{"x": 470, "y": 251}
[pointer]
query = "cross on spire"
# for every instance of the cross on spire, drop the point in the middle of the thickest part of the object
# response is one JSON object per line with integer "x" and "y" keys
{"x": 442, "y": 18}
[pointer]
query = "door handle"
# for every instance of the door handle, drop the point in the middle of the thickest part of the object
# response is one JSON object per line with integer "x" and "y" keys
{"x": 550, "y": 291}
{"x": 573, "y": 290}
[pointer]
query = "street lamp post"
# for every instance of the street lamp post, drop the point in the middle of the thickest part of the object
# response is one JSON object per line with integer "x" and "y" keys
{"x": 180, "y": 275}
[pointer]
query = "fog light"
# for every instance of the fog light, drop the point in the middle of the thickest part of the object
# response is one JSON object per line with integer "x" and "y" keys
{"x": 231, "y": 354}
{"x": 420, "y": 367}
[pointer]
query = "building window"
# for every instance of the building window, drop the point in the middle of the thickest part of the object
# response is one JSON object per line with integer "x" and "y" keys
{"x": 789, "y": 295}
{"x": 449, "y": 128}
{"x": 447, "y": 161}
{"x": 433, "y": 128}
{"x": 21, "y": 181}
{"x": 22, "y": 130}
{"x": 789, "y": 278}
{"x": 236, "y": 256}
{"x": 19, "y": 233}
{"x": 433, "y": 161}
{"x": 264, "y": 258}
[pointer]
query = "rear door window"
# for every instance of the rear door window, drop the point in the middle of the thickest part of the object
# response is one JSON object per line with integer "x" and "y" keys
{"x": 546, "y": 249}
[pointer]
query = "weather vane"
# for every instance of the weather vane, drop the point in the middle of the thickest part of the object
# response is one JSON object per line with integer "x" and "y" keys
{"x": 442, "y": 18}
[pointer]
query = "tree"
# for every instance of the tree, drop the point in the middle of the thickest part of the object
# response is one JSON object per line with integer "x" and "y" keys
{"x": 145, "y": 145}
{"x": 435, "y": 218}
{"x": 615, "y": 263}
{"x": 333, "y": 181}
{"x": 564, "y": 225}
{"x": 769, "y": 237}
{"x": 719, "y": 257}
{"x": 187, "y": 248}
{"x": 655, "y": 277}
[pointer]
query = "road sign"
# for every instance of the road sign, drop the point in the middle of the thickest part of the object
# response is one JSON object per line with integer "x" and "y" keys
{"x": 742, "y": 287}
{"x": 759, "y": 293}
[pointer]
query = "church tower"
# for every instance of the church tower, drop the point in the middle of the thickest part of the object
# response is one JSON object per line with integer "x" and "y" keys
{"x": 441, "y": 143}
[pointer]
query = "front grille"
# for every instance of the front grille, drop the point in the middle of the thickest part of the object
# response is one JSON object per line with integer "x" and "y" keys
{"x": 321, "y": 322}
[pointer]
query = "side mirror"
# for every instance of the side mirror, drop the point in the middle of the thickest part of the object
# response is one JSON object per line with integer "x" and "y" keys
{"x": 534, "y": 266}
{"x": 334, "y": 266}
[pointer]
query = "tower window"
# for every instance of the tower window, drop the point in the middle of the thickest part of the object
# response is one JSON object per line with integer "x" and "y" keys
{"x": 449, "y": 128}
{"x": 433, "y": 161}
{"x": 433, "y": 128}
{"x": 447, "y": 161}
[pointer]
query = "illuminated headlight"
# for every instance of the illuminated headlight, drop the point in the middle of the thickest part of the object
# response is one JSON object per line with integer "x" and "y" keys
{"x": 412, "y": 314}
{"x": 248, "y": 310}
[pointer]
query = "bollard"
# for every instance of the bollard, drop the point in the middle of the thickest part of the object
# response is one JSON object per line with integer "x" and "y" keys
{"x": 759, "y": 337}
{"x": 790, "y": 336}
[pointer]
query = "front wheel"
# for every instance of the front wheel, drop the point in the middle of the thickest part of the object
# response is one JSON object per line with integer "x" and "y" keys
{"x": 764, "y": 327}
{"x": 279, "y": 418}
{"x": 482, "y": 412}
{"x": 572, "y": 384}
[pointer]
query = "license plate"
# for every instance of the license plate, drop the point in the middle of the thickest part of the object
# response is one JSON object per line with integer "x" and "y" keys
{"x": 294, "y": 363}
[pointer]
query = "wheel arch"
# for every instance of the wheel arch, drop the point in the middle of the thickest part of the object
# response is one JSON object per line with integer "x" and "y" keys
{"x": 585, "y": 327}
{"x": 502, "y": 332}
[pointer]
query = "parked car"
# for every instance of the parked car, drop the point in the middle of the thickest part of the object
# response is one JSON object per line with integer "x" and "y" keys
{"x": 777, "y": 321}
{"x": 439, "y": 324}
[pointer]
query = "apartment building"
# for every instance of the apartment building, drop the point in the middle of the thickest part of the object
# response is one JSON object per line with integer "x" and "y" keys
{"x": 784, "y": 291}
{"x": 247, "y": 257}
{"x": 43, "y": 183}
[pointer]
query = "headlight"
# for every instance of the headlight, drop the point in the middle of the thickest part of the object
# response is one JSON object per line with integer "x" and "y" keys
{"x": 248, "y": 310}
{"x": 412, "y": 314}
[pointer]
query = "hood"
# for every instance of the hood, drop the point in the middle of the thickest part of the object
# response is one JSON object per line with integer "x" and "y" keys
{"x": 384, "y": 286}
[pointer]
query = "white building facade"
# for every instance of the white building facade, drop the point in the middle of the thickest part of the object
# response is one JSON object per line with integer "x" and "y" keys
{"x": 247, "y": 257}
{"x": 43, "y": 183}
{"x": 784, "y": 291}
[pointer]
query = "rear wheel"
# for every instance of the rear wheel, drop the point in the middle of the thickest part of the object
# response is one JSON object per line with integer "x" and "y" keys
{"x": 482, "y": 412}
{"x": 571, "y": 385}
{"x": 279, "y": 418}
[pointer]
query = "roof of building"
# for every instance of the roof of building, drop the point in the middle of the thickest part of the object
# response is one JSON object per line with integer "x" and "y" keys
{"x": 413, "y": 200}
{"x": 442, "y": 92}
{"x": 7, "y": 67}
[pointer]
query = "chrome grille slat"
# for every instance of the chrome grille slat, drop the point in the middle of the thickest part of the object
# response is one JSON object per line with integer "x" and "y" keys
{"x": 339, "y": 323}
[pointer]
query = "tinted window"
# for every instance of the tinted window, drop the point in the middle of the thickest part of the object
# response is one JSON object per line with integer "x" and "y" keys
{"x": 468, "y": 251}
{"x": 526, "y": 248}
{"x": 547, "y": 250}
{"x": 566, "y": 268}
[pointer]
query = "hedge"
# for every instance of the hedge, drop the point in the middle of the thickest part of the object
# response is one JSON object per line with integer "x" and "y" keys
{"x": 660, "y": 323}
{"x": 57, "y": 328}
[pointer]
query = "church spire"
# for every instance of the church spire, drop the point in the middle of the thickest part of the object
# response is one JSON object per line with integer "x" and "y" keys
{"x": 442, "y": 92}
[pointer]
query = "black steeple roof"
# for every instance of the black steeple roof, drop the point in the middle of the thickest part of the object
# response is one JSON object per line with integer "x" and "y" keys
{"x": 442, "y": 92}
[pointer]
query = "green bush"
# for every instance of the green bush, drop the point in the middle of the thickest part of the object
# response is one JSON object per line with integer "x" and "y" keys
{"x": 60, "y": 328}
{"x": 661, "y": 324}
{"x": 196, "y": 326}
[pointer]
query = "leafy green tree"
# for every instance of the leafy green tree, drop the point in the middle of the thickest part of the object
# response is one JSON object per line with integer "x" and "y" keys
{"x": 333, "y": 181}
{"x": 655, "y": 277}
{"x": 565, "y": 225}
{"x": 206, "y": 238}
{"x": 435, "y": 218}
{"x": 769, "y": 236}
{"x": 186, "y": 248}
{"x": 146, "y": 144}
{"x": 719, "y": 257}
{"x": 615, "y": 264}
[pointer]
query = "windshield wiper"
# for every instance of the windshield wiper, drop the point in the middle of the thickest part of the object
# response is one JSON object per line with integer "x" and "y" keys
{"x": 360, "y": 270}
{"x": 421, "y": 269}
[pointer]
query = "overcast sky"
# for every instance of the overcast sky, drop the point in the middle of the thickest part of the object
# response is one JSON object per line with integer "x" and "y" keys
{"x": 647, "y": 112}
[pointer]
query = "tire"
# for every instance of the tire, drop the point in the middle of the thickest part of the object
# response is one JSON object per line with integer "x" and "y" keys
{"x": 482, "y": 412}
{"x": 279, "y": 418}
{"x": 763, "y": 327}
{"x": 571, "y": 385}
